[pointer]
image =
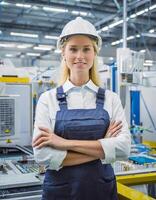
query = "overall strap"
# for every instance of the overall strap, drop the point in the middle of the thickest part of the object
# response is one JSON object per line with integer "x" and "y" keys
{"x": 100, "y": 97}
{"x": 61, "y": 97}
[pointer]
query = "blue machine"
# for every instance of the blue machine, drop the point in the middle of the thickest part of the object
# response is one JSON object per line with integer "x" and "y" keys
{"x": 135, "y": 116}
{"x": 135, "y": 107}
{"x": 114, "y": 78}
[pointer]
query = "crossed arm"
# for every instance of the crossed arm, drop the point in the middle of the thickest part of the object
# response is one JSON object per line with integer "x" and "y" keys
{"x": 78, "y": 151}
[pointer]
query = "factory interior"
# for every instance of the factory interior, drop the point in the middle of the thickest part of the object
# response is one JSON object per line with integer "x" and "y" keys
{"x": 30, "y": 65}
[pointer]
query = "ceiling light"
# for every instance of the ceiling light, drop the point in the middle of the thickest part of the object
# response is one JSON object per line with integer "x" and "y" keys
{"x": 148, "y": 64}
{"x": 111, "y": 58}
{"x": 121, "y": 40}
{"x": 138, "y": 35}
{"x": 35, "y": 7}
{"x": 24, "y": 34}
{"x": 130, "y": 37}
{"x": 115, "y": 42}
{"x": 33, "y": 54}
{"x": 51, "y": 37}
{"x": 140, "y": 12}
{"x": 55, "y": 9}
{"x": 79, "y": 13}
{"x": 133, "y": 16}
{"x": 9, "y": 55}
{"x": 105, "y": 28}
{"x": 57, "y": 51}
{"x": 152, "y": 7}
{"x": 4, "y": 3}
{"x": 143, "y": 50}
{"x": 7, "y": 45}
{"x": 151, "y": 31}
{"x": 0, "y": 32}
{"x": 43, "y": 47}
{"x": 24, "y": 46}
{"x": 23, "y": 5}
{"x": 149, "y": 61}
{"x": 115, "y": 24}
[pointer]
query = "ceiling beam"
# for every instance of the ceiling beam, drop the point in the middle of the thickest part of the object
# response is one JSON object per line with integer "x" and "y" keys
{"x": 129, "y": 8}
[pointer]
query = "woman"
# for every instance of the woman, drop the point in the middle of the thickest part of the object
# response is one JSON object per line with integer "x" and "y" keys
{"x": 73, "y": 134}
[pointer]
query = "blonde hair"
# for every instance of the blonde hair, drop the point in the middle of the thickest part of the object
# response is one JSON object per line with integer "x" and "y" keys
{"x": 93, "y": 73}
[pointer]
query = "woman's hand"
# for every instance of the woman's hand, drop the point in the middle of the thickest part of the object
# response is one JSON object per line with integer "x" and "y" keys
{"x": 113, "y": 129}
{"x": 48, "y": 138}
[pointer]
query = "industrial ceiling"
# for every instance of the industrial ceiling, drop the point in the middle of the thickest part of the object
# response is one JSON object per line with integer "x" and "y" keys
{"x": 29, "y": 28}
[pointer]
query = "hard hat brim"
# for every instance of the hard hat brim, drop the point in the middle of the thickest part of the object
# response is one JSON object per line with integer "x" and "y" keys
{"x": 66, "y": 37}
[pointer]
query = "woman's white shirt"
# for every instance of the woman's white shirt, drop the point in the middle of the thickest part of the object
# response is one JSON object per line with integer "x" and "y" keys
{"x": 84, "y": 97}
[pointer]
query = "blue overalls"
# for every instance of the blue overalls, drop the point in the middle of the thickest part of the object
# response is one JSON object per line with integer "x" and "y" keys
{"x": 92, "y": 180}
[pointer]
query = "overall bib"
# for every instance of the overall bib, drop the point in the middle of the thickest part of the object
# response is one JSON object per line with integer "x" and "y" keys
{"x": 89, "y": 181}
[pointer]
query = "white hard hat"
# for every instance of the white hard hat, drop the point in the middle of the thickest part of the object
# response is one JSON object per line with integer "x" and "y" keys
{"x": 79, "y": 26}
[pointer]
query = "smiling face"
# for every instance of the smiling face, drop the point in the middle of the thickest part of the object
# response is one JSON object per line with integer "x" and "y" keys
{"x": 79, "y": 55}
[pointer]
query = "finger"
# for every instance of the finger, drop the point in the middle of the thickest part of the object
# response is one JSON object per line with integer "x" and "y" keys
{"x": 39, "y": 141}
{"x": 110, "y": 125}
{"x": 116, "y": 133}
{"x": 119, "y": 127}
{"x": 116, "y": 124}
{"x": 42, "y": 134}
{"x": 43, "y": 144}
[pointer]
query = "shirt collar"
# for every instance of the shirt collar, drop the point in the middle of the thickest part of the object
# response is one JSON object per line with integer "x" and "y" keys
{"x": 68, "y": 85}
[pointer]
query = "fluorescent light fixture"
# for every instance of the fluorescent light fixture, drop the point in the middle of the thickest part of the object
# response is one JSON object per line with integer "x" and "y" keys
{"x": 43, "y": 47}
{"x": 115, "y": 24}
{"x": 9, "y": 55}
{"x": 23, "y": 5}
{"x": 4, "y": 3}
{"x": 138, "y": 36}
{"x": 7, "y": 45}
{"x": 115, "y": 42}
{"x": 0, "y": 32}
{"x": 151, "y": 31}
{"x": 24, "y": 34}
{"x": 130, "y": 37}
{"x": 75, "y": 12}
{"x": 51, "y": 37}
{"x": 148, "y": 64}
{"x": 149, "y": 61}
{"x": 105, "y": 28}
{"x": 140, "y": 12}
{"x": 33, "y": 54}
{"x": 152, "y": 7}
{"x": 121, "y": 40}
{"x": 57, "y": 51}
{"x": 24, "y": 46}
{"x": 133, "y": 16}
{"x": 55, "y": 9}
{"x": 111, "y": 58}
{"x": 35, "y": 7}
{"x": 143, "y": 51}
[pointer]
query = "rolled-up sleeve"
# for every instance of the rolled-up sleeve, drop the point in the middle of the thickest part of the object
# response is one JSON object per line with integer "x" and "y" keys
{"x": 117, "y": 148}
{"x": 48, "y": 156}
